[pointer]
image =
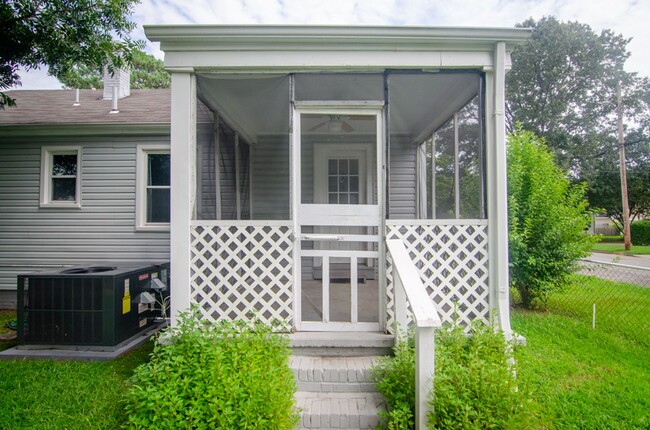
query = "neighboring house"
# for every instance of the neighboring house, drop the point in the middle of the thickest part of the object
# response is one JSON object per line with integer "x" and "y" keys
{"x": 326, "y": 141}
{"x": 79, "y": 184}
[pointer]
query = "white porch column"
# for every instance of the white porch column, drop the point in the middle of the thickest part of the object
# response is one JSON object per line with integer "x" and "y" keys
{"x": 497, "y": 192}
{"x": 183, "y": 142}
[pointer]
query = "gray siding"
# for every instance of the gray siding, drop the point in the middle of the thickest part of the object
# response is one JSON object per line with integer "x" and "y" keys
{"x": 403, "y": 162}
{"x": 102, "y": 230}
{"x": 270, "y": 184}
{"x": 205, "y": 164}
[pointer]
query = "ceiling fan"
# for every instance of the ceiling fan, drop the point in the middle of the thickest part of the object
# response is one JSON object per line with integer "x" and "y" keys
{"x": 338, "y": 123}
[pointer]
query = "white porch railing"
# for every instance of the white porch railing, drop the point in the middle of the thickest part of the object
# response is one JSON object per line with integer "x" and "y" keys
{"x": 451, "y": 258}
{"x": 409, "y": 289}
{"x": 243, "y": 270}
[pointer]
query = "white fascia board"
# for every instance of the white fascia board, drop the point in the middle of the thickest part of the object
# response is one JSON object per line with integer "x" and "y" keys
{"x": 292, "y": 61}
{"x": 308, "y": 38}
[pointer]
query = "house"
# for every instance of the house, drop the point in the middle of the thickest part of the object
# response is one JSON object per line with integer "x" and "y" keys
{"x": 326, "y": 141}
{"x": 348, "y": 171}
{"x": 321, "y": 177}
{"x": 76, "y": 180}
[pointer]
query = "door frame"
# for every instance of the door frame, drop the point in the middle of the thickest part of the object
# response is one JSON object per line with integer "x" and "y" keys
{"x": 351, "y": 108}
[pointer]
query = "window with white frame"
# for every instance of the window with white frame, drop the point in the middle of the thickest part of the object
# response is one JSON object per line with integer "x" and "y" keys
{"x": 61, "y": 176}
{"x": 153, "y": 192}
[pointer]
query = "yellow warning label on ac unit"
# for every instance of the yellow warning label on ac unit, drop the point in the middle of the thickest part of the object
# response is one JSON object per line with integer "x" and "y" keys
{"x": 126, "y": 304}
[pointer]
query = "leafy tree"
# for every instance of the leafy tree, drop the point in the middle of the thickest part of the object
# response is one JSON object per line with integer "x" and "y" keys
{"x": 61, "y": 34}
{"x": 562, "y": 86}
{"x": 547, "y": 217}
{"x": 605, "y": 182}
{"x": 146, "y": 72}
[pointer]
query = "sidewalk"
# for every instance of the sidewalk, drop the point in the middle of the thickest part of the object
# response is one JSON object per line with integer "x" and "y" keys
{"x": 628, "y": 260}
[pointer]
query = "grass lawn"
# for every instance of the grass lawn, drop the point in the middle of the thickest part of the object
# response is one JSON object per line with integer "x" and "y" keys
{"x": 579, "y": 378}
{"x": 5, "y": 317}
{"x": 621, "y": 309}
{"x": 42, "y": 394}
{"x": 619, "y": 248}
{"x": 574, "y": 377}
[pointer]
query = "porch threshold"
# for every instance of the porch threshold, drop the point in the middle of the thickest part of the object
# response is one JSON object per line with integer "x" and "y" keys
{"x": 341, "y": 343}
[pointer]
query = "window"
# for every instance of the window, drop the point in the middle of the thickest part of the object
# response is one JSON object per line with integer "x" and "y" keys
{"x": 153, "y": 193}
{"x": 343, "y": 181}
{"x": 61, "y": 176}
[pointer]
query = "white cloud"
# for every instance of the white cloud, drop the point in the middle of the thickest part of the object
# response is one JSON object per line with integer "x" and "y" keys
{"x": 37, "y": 79}
{"x": 629, "y": 17}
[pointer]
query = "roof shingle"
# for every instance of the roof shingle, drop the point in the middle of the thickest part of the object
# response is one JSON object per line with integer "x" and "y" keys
{"x": 56, "y": 107}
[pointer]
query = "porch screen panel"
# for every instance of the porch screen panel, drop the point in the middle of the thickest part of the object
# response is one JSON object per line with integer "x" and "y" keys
{"x": 445, "y": 186}
{"x": 227, "y": 172}
{"x": 254, "y": 112}
{"x": 244, "y": 180}
{"x": 339, "y": 86}
{"x": 440, "y": 114}
{"x": 470, "y": 160}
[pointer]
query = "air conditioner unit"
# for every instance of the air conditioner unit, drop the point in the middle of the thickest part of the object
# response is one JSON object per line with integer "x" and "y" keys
{"x": 91, "y": 306}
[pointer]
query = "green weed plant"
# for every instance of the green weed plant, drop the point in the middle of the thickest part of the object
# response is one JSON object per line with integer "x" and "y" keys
{"x": 229, "y": 375}
{"x": 395, "y": 378}
{"x": 474, "y": 385}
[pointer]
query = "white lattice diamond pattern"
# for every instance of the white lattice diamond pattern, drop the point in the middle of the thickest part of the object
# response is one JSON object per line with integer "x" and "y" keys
{"x": 243, "y": 272}
{"x": 453, "y": 263}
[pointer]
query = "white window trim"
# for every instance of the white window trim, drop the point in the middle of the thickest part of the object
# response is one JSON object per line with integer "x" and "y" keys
{"x": 46, "y": 177}
{"x": 141, "y": 187}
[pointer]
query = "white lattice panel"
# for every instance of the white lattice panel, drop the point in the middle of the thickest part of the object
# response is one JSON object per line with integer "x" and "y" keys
{"x": 243, "y": 271}
{"x": 452, "y": 260}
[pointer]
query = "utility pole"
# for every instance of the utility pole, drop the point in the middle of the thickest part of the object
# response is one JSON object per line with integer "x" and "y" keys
{"x": 621, "y": 157}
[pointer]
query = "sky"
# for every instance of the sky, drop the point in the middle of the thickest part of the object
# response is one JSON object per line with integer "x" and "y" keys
{"x": 631, "y": 18}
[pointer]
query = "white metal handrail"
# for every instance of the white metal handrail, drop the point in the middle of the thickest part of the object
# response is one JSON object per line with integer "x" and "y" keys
{"x": 409, "y": 287}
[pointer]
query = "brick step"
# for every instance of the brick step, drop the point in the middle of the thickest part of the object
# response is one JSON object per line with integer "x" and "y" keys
{"x": 339, "y": 410}
{"x": 334, "y": 374}
{"x": 341, "y": 343}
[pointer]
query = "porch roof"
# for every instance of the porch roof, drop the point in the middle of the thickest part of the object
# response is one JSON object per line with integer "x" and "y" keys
{"x": 266, "y": 47}
{"x": 301, "y": 37}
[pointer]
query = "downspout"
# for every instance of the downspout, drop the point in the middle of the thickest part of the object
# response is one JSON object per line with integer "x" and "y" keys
{"x": 499, "y": 208}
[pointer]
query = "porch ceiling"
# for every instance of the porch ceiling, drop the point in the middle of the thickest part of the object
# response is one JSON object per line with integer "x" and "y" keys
{"x": 258, "y": 104}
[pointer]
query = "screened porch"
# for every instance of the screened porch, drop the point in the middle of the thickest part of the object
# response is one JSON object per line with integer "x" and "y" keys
{"x": 300, "y": 178}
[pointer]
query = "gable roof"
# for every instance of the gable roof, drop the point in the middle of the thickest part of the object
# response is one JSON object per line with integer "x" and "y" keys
{"x": 40, "y": 107}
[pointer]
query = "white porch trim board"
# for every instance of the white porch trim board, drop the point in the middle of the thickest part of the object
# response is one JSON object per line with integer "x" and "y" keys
{"x": 183, "y": 170}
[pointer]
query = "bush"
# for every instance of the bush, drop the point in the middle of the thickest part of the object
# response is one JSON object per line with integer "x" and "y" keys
{"x": 610, "y": 239}
{"x": 474, "y": 385}
{"x": 395, "y": 379}
{"x": 547, "y": 218}
{"x": 209, "y": 376}
{"x": 640, "y": 232}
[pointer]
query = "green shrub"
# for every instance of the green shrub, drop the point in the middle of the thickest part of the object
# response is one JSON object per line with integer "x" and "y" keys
{"x": 474, "y": 386}
{"x": 547, "y": 218}
{"x": 214, "y": 376}
{"x": 610, "y": 239}
{"x": 640, "y": 232}
{"x": 395, "y": 378}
